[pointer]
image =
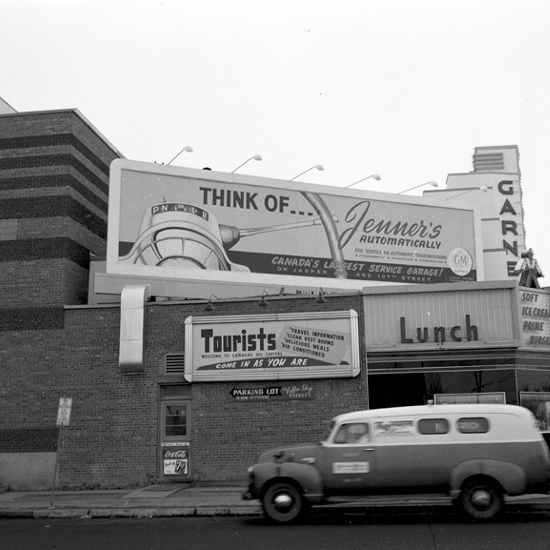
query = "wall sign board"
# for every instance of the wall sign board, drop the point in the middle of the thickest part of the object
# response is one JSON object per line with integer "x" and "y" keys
{"x": 535, "y": 318}
{"x": 272, "y": 347}
{"x": 445, "y": 316}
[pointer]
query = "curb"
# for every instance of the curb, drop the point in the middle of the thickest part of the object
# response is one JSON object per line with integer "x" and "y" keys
{"x": 11, "y": 514}
{"x": 212, "y": 511}
{"x": 131, "y": 512}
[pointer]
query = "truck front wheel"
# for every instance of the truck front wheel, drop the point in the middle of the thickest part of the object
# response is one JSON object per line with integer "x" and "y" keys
{"x": 283, "y": 503}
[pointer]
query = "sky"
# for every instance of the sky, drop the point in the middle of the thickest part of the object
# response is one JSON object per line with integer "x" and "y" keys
{"x": 402, "y": 88}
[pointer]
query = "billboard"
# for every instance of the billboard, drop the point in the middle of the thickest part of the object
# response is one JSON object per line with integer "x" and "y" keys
{"x": 281, "y": 346}
{"x": 212, "y": 227}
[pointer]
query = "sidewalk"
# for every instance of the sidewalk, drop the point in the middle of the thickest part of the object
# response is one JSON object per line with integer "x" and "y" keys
{"x": 154, "y": 501}
{"x": 172, "y": 500}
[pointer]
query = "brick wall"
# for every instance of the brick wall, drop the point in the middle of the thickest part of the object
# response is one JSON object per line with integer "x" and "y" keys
{"x": 54, "y": 177}
{"x": 54, "y": 170}
{"x": 112, "y": 440}
{"x": 227, "y": 434}
{"x": 29, "y": 441}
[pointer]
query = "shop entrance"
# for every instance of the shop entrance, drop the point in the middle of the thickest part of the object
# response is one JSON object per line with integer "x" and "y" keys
{"x": 175, "y": 438}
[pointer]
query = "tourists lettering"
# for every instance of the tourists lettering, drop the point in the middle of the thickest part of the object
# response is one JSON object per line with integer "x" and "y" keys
{"x": 258, "y": 341}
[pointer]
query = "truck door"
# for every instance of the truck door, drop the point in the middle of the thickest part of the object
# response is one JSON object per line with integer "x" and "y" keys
{"x": 350, "y": 461}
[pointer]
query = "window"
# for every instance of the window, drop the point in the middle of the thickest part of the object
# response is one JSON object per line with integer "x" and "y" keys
{"x": 473, "y": 425}
{"x": 175, "y": 420}
{"x": 433, "y": 426}
{"x": 350, "y": 434}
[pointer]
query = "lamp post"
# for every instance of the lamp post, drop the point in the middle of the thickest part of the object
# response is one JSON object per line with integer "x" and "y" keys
{"x": 186, "y": 149}
{"x": 483, "y": 189}
{"x": 432, "y": 183}
{"x": 253, "y": 157}
{"x": 316, "y": 167}
{"x": 373, "y": 176}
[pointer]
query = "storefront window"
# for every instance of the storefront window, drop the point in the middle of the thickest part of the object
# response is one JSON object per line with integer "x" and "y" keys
{"x": 398, "y": 363}
{"x": 398, "y": 390}
{"x": 533, "y": 380}
{"x": 538, "y": 403}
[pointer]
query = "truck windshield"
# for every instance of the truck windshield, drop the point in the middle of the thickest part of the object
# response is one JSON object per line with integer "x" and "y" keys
{"x": 328, "y": 431}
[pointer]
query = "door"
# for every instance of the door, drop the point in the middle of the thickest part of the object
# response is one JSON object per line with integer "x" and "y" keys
{"x": 175, "y": 438}
{"x": 350, "y": 464}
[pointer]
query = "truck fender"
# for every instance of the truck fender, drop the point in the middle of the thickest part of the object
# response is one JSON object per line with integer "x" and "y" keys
{"x": 305, "y": 476}
{"x": 510, "y": 476}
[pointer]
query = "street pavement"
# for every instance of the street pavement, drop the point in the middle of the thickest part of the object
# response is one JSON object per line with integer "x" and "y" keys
{"x": 176, "y": 500}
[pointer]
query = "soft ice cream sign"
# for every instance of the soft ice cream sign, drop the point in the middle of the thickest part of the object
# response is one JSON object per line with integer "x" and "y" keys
{"x": 212, "y": 227}
{"x": 272, "y": 347}
{"x": 535, "y": 318}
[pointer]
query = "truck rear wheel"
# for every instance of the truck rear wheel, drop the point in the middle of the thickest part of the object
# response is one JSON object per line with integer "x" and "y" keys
{"x": 481, "y": 499}
{"x": 283, "y": 503}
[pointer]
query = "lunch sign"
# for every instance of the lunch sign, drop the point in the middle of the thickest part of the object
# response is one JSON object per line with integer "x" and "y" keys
{"x": 272, "y": 346}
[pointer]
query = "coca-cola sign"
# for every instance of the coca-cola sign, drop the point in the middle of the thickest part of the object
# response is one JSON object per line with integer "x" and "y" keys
{"x": 175, "y": 454}
{"x": 175, "y": 458}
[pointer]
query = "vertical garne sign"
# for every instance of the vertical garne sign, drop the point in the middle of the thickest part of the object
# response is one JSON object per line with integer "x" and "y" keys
{"x": 511, "y": 222}
{"x": 272, "y": 346}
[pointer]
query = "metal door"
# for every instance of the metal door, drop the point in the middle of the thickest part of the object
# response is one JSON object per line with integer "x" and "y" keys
{"x": 175, "y": 438}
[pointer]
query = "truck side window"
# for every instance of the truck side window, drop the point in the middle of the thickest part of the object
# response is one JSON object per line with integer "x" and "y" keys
{"x": 473, "y": 425}
{"x": 433, "y": 426}
{"x": 350, "y": 434}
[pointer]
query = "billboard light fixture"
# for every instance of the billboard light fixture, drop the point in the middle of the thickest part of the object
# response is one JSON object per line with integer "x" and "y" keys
{"x": 432, "y": 183}
{"x": 253, "y": 157}
{"x": 186, "y": 149}
{"x": 263, "y": 301}
{"x": 321, "y": 297}
{"x": 319, "y": 167}
{"x": 210, "y": 306}
{"x": 373, "y": 176}
{"x": 483, "y": 189}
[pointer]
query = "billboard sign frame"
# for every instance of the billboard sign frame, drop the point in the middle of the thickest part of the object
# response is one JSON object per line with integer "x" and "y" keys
{"x": 276, "y": 346}
{"x": 254, "y": 231}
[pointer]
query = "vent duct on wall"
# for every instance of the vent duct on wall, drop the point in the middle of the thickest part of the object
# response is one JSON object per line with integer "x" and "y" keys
{"x": 175, "y": 364}
{"x": 488, "y": 162}
{"x": 132, "y": 328}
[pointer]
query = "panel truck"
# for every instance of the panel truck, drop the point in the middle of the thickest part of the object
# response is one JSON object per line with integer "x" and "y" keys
{"x": 474, "y": 454}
